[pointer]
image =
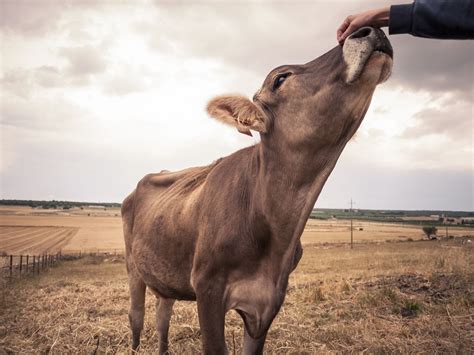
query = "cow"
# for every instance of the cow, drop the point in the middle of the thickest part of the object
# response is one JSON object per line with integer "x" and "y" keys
{"x": 227, "y": 235}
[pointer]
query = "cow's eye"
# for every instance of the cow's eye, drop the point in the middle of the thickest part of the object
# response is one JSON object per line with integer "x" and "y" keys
{"x": 279, "y": 79}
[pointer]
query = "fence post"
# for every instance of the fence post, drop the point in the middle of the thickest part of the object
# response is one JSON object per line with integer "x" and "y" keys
{"x": 27, "y": 260}
{"x": 34, "y": 261}
{"x": 21, "y": 263}
{"x": 11, "y": 267}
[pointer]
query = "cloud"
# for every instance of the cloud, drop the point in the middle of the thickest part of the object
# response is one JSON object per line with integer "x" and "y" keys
{"x": 38, "y": 18}
{"x": 17, "y": 82}
{"x": 264, "y": 35}
{"x": 452, "y": 120}
{"x": 84, "y": 60}
{"x": 83, "y": 63}
{"x": 48, "y": 76}
{"x": 89, "y": 88}
{"x": 374, "y": 187}
{"x": 41, "y": 114}
{"x": 258, "y": 36}
{"x": 29, "y": 18}
{"x": 124, "y": 84}
{"x": 438, "y": 66}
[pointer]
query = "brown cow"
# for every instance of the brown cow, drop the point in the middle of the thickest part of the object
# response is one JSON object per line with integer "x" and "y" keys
{"x": 228, "y": 235}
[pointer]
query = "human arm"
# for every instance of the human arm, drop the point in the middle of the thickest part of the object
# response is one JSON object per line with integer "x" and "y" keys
{"x": 434, "y": 19}
{"x": 444, "y": 19}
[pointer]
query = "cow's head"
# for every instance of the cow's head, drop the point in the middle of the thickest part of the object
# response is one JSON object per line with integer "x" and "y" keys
{"x": 316, "y": 104}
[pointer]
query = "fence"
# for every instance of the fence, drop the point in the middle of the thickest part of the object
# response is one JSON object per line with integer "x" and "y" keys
{"x": 22, "y": 265}
{"x": 28, "y": 264}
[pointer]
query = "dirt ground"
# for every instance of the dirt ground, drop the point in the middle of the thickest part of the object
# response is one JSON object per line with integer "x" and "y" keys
{"x": 102, "y": 229}
{"x": 406, "y": 297}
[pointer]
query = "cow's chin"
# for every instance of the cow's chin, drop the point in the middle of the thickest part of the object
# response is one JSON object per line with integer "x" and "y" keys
{"x": 377, "y": 68}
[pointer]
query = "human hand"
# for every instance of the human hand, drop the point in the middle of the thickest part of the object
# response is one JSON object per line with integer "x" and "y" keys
{"x": 374, "y": 18}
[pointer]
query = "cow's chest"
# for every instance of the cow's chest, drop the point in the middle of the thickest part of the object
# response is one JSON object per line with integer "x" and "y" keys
{"x": 258, "y": 299}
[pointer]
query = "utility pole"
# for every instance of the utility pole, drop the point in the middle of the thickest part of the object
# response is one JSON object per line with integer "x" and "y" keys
{"x": 446, "y": 223}
{"x": 352, "y": 237}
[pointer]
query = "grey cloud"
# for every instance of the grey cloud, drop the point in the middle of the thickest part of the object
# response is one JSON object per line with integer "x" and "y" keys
{"x": 453, "y": 120}
{"x": 48, "y": 76}
{"x": 43, "y": 114}
{"x": 395, "y": 188}
{"x": 18, "y": 82}
{"x": 260, "y": 36}
{"x": 257, "y": 36}
{"x": 29, "y": 18}
{"x": 25, "y": 83}
{"x": 36, "y": 18}
{"x": 84, "y": 60}
{"x": 433, "y": 65}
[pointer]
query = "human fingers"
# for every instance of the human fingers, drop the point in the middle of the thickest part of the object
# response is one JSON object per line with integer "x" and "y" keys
{"x": 342, "y": 28}
{"x": 353, "y": 26}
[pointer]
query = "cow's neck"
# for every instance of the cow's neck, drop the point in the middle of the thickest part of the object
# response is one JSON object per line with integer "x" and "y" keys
{"x": 287, "y": 188}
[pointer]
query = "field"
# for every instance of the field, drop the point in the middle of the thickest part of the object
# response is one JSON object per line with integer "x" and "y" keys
{"x": 98, "y": 229}
{"x": 409, "y": 297}
{"x": 94, "y": 229}
{"x": 31, "y": 239}
{"x": 392, "y": 293}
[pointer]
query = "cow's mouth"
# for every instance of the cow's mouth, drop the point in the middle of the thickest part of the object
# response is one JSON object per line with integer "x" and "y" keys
{"x": 367, "y": 48}
{"x": 383, "y": 46}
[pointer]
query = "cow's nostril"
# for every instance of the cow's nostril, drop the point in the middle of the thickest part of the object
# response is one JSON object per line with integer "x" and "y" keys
{"x": 362, "y": 32}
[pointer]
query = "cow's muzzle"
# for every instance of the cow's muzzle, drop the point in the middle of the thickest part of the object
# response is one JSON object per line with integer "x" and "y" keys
{"x": 360, "y": 46}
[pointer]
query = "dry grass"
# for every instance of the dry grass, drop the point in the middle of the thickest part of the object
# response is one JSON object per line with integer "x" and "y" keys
{"x": 393, "y": 297}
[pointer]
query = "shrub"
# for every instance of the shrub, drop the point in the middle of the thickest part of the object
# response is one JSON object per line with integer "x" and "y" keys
{"x": 410, "y": 309}
{"x": 429, "y": 231}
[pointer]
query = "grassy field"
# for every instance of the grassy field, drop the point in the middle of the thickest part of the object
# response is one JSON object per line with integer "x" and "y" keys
{"x": 407, "y": 297}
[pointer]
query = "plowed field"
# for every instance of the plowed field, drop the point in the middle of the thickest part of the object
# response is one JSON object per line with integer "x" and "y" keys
{"x": 34, "y": 239}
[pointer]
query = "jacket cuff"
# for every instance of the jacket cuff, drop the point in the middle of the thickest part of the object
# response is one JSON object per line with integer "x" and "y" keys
{"x": 400, "y": 19}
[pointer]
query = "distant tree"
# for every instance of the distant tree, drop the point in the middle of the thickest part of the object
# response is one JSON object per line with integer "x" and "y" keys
{"x": 429, "y": 231}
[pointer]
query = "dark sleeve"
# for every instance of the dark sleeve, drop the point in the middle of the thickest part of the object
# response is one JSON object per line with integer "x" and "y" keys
{"x": 444, "y": 19}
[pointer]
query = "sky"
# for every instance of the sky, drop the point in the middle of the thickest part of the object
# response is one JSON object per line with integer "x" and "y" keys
{"x": 96, "y": 94}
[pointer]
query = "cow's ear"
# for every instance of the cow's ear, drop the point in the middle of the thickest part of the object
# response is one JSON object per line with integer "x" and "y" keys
{"x": 238, "y": 111}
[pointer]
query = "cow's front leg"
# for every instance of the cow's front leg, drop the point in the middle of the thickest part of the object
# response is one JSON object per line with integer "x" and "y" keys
{"x": 211, "y": 312}
{"x": 253, "y": 346}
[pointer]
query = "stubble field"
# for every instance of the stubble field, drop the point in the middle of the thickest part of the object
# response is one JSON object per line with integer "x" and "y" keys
{"x": 410, "y": 297}
{"x": 387, "y": 295}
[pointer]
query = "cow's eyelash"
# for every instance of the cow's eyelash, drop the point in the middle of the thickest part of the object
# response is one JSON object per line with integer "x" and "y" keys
{"x": 279, "y": 80}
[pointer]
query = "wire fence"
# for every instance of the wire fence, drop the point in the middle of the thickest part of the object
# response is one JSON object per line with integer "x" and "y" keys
{"x": 14, "y": 266}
